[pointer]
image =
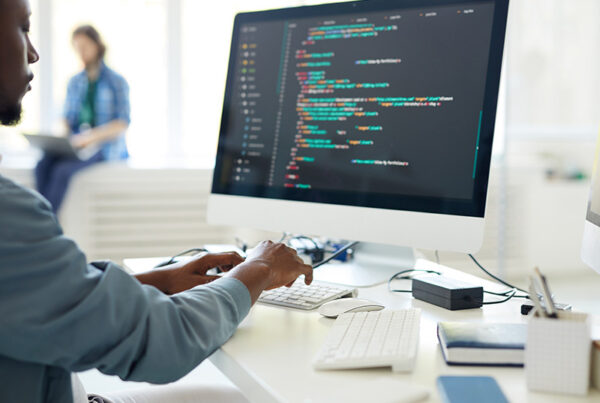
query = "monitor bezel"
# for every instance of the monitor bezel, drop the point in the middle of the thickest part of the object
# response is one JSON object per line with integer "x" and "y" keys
{"x": 590, "y": 243}
{"x": 474, "y": 207}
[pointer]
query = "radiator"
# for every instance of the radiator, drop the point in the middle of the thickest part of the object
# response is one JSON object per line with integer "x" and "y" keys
{"x": 116, "y": 212}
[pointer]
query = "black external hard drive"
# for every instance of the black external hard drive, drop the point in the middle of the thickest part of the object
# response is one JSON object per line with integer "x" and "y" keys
{"x": 447, "y": 293}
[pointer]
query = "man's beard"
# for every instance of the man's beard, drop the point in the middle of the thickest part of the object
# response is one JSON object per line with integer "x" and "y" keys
{"x": 11, "y": 115}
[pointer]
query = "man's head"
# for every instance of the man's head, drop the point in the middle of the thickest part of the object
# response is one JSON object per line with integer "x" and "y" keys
{"x": 16, "y": 54}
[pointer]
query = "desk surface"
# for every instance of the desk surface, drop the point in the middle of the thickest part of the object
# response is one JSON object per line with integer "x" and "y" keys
{"x": 270, "y": 356}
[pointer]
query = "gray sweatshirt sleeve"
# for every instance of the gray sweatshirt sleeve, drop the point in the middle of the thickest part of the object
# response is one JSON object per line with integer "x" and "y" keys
{"x": 55, "y": 309}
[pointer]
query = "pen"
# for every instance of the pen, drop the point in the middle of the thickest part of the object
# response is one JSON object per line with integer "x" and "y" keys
{"x": 548, "y": 303}
{"x": 547, "y": 290}
{"x": 533, "y": 295}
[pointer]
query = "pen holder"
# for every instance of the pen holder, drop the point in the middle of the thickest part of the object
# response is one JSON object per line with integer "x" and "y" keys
{"x": 557, "y": 353}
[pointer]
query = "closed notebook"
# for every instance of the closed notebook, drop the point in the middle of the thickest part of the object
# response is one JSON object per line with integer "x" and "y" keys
{"x": 498, "y": 344}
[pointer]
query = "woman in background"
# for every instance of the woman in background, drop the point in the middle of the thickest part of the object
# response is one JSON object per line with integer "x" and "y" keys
{"x": 96, "y": 115}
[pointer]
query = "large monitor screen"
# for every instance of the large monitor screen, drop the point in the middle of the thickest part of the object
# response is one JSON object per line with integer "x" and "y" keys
{"x": 384, "y": 104}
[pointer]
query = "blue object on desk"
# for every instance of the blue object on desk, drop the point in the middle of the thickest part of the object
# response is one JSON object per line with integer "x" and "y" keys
{"x": 470, "y": 389}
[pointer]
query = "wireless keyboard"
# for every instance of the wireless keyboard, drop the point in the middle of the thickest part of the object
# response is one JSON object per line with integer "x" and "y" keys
{"x": 372, "y": 339}
{"x": 307, "y": 297}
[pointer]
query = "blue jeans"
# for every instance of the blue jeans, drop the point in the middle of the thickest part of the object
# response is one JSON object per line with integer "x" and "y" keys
{"x": 53, "y": 174}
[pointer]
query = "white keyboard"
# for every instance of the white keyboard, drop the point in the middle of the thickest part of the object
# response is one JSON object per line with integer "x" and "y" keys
{"x": 302, "y": 296}
{"x": 372, "y": 339}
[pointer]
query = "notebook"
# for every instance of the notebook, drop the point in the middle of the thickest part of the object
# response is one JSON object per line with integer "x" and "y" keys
{"x": 497, "y": 344}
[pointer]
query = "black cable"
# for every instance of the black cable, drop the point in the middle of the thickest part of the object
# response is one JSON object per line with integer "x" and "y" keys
{"x": 510, "y": 295}
{"x": 495, "y": 277}
{"x": 500, "y": 294}
{"x": 505, "y": 293}
{"x": 395, "y": 277}
{"x": 336, "y": 254}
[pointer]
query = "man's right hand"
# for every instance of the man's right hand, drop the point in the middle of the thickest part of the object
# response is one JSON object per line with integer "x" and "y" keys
{"x": 270, "y": 265}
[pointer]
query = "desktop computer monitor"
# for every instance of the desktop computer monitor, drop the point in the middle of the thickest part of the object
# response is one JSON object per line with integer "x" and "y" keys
{"x": 590, "y": 247}
{"x": 367, "y": 120}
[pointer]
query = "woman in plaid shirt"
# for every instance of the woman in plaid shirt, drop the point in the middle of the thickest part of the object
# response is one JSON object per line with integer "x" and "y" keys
{"x": 97, "y": 114}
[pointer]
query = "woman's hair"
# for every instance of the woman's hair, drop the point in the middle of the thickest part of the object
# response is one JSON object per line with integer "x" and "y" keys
{"x": 94, "y": 35}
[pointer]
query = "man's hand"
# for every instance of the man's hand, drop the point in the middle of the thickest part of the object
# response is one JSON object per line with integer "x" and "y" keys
{"x": 179, "y": 277}
{"x": 271, "y": 265}
{"x": 284, "y": 263}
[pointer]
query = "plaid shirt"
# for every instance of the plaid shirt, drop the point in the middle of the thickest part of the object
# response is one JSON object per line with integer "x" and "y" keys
{"x": 111, "y": 103}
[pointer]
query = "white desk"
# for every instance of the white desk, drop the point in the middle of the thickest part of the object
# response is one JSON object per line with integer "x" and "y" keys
{"x": 269, "y": 357}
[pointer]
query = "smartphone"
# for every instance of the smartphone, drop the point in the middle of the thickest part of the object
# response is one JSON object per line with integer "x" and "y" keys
{"x": 470, "y": 389}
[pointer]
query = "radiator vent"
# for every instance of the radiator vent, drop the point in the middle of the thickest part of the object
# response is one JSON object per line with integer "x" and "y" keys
{"x": 116, "y": 212}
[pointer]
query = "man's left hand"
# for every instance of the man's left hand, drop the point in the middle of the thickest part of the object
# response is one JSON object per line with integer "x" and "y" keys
{"x": 182, "y": 276}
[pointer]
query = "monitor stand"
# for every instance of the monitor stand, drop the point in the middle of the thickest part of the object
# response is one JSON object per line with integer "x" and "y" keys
{"x": 371, "y": 264}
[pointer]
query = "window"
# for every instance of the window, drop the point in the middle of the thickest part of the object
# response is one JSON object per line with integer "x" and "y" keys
{"x": 206, "y": 41}
{"x": 135, "y": 35}
{"x": 553, "y": 63}
{"x": 174, "y": 54}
